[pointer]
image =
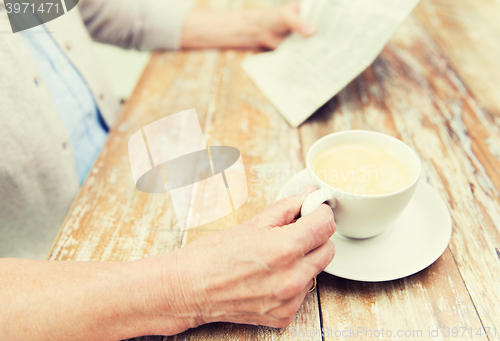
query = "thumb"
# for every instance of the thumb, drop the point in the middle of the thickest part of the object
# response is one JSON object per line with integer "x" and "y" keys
{"x": 284, "y": 211}
{"x": 291, "y": 16}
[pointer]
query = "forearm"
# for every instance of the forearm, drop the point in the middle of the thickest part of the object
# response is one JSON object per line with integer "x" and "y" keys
{"x": 206, "y": 28}
{"x": 221, "y": 277}
{"x": 143, "y": 25}
{"x": 87, "y": 300}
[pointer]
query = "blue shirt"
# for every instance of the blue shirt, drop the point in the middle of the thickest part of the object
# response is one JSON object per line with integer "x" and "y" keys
{"x": 72, "y": 97}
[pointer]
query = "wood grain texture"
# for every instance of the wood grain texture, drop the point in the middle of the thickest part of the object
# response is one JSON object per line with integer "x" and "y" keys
{"x": 434, "y": 86}
{"x": 468, "y": 33}
{"x": 112, "y": 221}
{"x": 412, "y": 93}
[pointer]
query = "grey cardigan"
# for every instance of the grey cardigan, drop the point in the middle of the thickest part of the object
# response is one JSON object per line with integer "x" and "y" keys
{"x": 38, "y": 179}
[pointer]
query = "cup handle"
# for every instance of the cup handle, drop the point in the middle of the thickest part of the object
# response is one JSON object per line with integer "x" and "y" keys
{"x": 316, "y": 198}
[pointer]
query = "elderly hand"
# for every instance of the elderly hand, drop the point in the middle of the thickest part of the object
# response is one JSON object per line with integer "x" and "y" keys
{"x": 255, "y": 273}
{"x": 205, "y": 28}
{"x": 275, "y": 23}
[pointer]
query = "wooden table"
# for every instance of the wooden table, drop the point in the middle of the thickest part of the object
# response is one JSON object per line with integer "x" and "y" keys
{"x": 436, "y": 86}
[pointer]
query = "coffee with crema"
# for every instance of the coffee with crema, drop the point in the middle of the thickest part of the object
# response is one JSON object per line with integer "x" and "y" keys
{"x": 363, "y": 169}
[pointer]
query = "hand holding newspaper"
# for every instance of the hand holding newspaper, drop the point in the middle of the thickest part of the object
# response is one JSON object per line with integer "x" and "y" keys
{"x": 302, "y": 74}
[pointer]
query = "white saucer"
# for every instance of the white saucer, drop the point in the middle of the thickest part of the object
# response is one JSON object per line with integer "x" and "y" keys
{"x": 416, "y": 239}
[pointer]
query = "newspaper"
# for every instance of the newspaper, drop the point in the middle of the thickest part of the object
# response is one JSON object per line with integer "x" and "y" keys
{"x": 302, "y": 74}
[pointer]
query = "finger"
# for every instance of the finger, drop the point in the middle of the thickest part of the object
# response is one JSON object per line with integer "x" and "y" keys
{"x": 272, "y": 41}
{"x": 284, "y": 211}
{"x": 318, "y": 259}
{"x": 291, "y": 16}
{"x": 313, "y": 230}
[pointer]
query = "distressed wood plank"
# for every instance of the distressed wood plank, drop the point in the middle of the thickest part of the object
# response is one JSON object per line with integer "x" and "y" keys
{"x": 111, "y": 221}
{"x": 415, "y": 90}
{"x": 412, "y": 93}
{"x": 239, "y": 116}
{"x": 432, "y": 299}
{"x": 468, "y": 33}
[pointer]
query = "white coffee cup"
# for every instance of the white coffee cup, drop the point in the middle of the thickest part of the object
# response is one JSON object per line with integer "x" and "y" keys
{"x": 361, "y": 216}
